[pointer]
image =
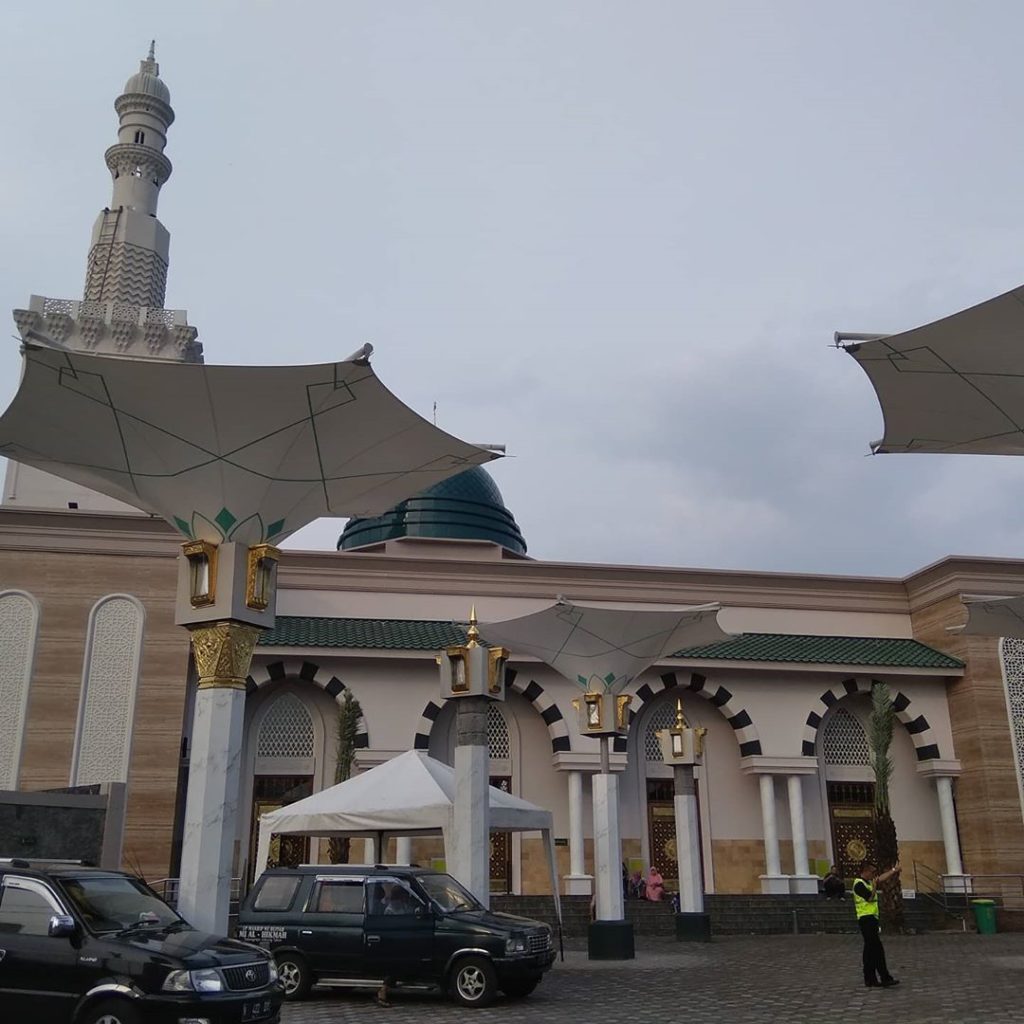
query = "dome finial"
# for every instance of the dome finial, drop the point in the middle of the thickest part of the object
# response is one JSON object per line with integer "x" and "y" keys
{"x": 152, "y": 50}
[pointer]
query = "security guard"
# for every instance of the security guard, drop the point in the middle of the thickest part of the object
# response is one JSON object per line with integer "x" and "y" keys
{"x": 865, "y": 903}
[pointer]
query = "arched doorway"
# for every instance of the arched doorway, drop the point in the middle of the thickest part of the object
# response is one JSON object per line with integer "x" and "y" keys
{"x": 849, "y": 788}
{"x": 283, "y": 772}
{"x": 659, "y": 791}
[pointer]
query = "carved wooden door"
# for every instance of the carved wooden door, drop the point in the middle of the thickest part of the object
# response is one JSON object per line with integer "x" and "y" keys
{"x": 501, "y": 847}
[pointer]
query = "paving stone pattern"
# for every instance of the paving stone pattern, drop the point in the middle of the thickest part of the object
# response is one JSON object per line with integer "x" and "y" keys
{"x": 807, "y": 979}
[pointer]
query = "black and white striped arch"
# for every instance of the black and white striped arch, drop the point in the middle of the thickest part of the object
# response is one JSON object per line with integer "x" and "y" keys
{"x": 719, "y": 696}
{"x": 558, "y": 731}
{"x": 310, "y": 672}
{"x": 917, "y": 725}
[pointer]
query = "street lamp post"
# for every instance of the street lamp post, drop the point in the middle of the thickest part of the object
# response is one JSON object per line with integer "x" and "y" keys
{"x": 682, "y": 748}
{"x": 472, "y": 675}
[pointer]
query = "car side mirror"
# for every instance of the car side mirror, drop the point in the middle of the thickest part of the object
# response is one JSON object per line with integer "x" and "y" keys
{"x": 422, "y": 912}
{"x": 61, "y": 925}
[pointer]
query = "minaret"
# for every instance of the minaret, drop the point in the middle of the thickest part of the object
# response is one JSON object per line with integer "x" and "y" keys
{"x": 122, "y": 312}
{"x": 128, "y": 255}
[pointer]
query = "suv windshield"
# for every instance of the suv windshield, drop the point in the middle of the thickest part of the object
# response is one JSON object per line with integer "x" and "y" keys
{"x": 110, "y": 903}
{"x": 448, "y": 894}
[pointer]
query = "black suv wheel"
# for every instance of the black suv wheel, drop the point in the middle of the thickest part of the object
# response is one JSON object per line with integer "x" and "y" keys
{"x": 473, "y": 981}
{"x": 294, "y": 974}
{"x": 111, "y": 1011}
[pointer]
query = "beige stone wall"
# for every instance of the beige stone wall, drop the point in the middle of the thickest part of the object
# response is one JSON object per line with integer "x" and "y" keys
{"x": 67, "y": 588}
{"x": 987, "y": 797}
{"x": 737, "y": 865}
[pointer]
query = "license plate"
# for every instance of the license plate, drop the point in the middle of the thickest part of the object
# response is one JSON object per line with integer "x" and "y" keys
{"x": 259, "y": 1010}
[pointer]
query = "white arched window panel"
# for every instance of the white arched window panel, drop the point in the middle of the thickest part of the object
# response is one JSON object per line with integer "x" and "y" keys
{"x": 110, "y": 679}
{"x": 286, "y": 730}
{"x": 843, "y": 740}
{"x": 498, "y": 742}
{"x": 19, "y": 624}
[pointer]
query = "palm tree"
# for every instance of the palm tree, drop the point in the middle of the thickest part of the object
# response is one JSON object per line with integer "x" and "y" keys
{"x": 886, "y": 844}
{"x": 349, "y": 715}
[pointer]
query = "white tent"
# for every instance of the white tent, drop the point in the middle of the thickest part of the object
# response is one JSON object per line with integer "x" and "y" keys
{"x": 410, "y": 795}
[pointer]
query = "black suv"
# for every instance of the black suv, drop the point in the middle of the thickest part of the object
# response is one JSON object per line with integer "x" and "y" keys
{"x": 351, "y": 926}
{"x": 99, "y": 947}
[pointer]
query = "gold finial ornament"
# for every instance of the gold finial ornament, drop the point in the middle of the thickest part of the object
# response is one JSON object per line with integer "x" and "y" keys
{"x": 681, "y": 722}
{"x": 472, "y": 634}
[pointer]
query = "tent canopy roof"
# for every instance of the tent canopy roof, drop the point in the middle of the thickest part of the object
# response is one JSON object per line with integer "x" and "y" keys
{"x": 411, "y": 794}
{"x": 953, "y": 386}
{"x": 600, "y": 648}
{"x": 238, "y": 453}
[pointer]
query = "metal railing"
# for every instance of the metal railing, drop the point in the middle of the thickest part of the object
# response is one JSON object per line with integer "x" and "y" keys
{"x": 953, "y": 893}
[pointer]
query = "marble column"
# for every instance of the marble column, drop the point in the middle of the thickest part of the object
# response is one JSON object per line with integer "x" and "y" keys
{"x": 470, "y": 856}
{"x": 802, "y": 881}
{"x": 947, "y": 814}
{"x": 691, "y": 882}
{"x": 607, "y": 848}
{"x": 577, "y": 882}
{"x": 772, "y": 881}
{"x": 211, "y": 814}
{"x": 403, "y": 850}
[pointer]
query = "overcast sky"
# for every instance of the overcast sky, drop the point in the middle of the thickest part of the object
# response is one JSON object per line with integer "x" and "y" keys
{"x": 615, "y": 236}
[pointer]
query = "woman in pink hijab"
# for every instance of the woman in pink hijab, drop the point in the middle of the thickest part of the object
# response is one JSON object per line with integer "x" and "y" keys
{"x": 655, "y": 885}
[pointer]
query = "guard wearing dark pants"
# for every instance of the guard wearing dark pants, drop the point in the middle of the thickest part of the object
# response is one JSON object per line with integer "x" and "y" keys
{"x": 865, "y": 903}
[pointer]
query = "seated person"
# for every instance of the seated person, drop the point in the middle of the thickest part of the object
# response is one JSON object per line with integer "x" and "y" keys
{"x": 399, "y": 901}
{"x": 833, "y": 886}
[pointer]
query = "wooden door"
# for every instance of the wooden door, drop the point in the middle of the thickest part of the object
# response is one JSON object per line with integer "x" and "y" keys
{"x": 501, "y": 847}
{"x": 852, "y": 816}
{"x": 270, "y": 793}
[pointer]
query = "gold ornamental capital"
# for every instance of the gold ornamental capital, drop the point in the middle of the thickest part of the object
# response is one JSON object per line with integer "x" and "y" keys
{"x": 223, "y": 653}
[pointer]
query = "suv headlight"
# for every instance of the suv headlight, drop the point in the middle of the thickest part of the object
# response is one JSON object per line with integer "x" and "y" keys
{"x": 207, "y": 980}
{"x": 515, "y": 944}
{"x": 272, "y": 976}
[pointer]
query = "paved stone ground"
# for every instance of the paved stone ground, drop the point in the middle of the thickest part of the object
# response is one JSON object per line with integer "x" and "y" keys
{"x": 808, "y": 979}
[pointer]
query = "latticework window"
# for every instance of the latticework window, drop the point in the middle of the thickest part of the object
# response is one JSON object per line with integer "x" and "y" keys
{"x": 662, "y": 717}
{"x": 287, "y": 729}
{"x": 1011, "y": 652}
{"x": 844, "y": 741}
{"x": 497, "y": 734}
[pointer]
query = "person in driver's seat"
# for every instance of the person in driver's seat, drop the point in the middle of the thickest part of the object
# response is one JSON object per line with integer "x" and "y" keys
{"x": 399, "y": 901}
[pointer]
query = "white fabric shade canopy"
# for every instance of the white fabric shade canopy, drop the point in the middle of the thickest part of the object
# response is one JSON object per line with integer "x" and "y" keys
{"x": 993, "y": 616}
{"x": 410, "y": 795}
{"x": 601, "y": 648}
{"x": 239, "y": 453}
{"x": 954, "y": 386}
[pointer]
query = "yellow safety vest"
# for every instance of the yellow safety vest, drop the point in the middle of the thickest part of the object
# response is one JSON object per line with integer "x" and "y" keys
{"x": 863, "y": 907}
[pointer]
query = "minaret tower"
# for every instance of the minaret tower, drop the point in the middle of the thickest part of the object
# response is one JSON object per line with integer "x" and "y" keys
{"x": 128, "y": 255}
{"x": 122, "y": 312}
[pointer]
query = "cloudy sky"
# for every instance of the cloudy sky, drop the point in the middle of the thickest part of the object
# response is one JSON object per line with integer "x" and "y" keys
{"x": 615, "y": 236}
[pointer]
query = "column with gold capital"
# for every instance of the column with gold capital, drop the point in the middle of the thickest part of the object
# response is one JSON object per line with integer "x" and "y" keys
{"x": 225, "y": 598}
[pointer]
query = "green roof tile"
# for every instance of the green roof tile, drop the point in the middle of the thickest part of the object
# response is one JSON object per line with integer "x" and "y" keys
{"x": 420, "y": 635}
{"x": 824, "y": 650}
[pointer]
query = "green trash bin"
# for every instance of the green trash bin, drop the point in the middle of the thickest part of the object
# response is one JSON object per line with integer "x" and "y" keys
{"x": 985, "y": 916}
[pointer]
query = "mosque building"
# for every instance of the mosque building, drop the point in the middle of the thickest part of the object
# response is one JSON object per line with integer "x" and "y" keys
{"x": 96, "y": 681}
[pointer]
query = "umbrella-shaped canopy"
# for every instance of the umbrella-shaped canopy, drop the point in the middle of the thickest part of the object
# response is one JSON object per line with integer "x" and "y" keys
{"x": 238, "y": 453}
{"x": 953, "y": 386}
{"x": 602, "y": 648}
{"x": 994, "y": 616}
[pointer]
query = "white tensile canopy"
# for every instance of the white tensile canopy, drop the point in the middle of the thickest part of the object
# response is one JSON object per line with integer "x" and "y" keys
{"x": 245, "y": 454}
{"x": 993, "y": 616}
{"x": 601, "y": 648}
{"x": 410, "y": 795}
{"x": 954, "y": 386}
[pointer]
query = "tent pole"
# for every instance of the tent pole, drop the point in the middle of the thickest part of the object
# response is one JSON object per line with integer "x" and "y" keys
{"x": 553, "y": 866}
{"x": 380, "y": 847}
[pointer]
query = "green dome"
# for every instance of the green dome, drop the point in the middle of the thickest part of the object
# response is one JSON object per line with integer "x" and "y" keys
{"x": 467, "y": 506}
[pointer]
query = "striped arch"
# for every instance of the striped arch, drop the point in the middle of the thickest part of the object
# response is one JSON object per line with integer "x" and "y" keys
{"x": 295, "y": 668}
{"x": 720, "y": 697}
{"x": 558, "y": 731}
{"x": 920, "y": 731}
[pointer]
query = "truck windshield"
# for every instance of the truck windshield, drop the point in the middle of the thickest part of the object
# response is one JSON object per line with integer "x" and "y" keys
{"x": 448, "y": 894}
{"x": 111, "y": 903}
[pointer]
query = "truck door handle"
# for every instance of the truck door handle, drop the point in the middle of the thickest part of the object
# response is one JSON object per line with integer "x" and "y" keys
{"x": 372, "y": 938}
{"x": 306, "y": 931}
